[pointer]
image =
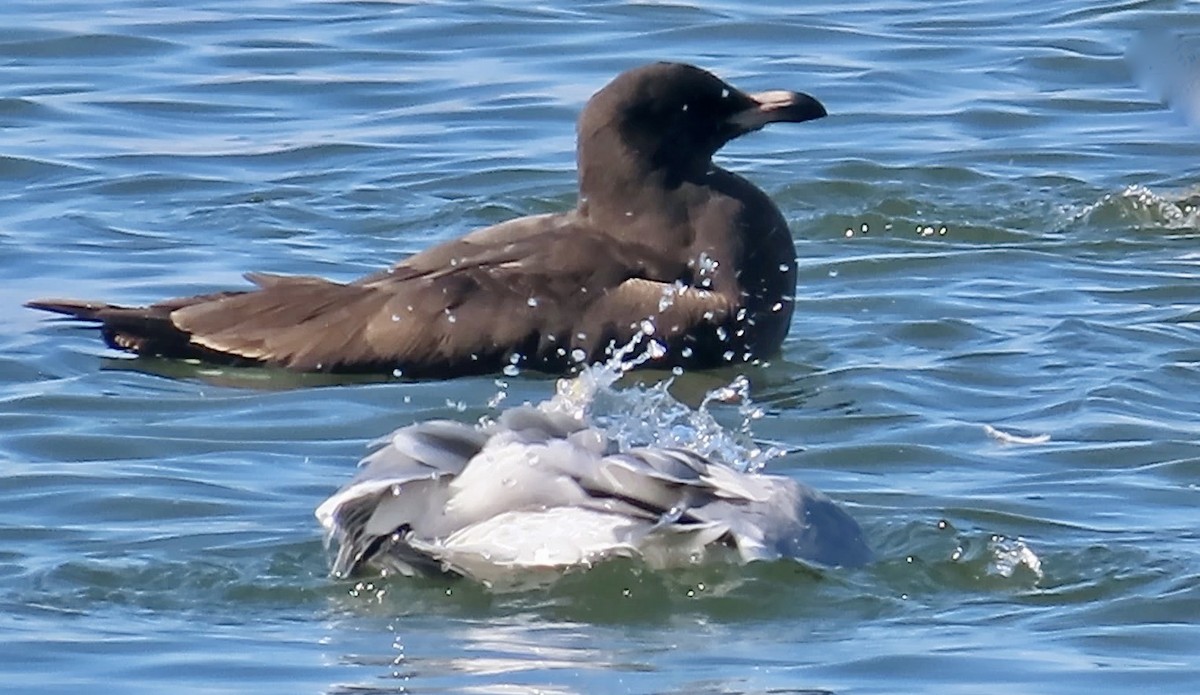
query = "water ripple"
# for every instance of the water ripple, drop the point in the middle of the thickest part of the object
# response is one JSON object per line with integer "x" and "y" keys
{"x": 996, "y": 227}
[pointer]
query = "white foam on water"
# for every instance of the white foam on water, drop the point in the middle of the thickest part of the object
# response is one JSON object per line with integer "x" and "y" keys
{"x": 1010, "y": 438}
{"x": 1010, "y": 554}
{"x": 1141, "y": 206}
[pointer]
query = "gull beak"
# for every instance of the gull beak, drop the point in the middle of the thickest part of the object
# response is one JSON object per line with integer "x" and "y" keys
{"x": 777, "y": 106}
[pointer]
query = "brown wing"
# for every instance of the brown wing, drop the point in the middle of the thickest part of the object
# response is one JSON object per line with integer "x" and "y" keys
{"x": 478, "y": 244}
{"x": 542, "y": 288}
{"x": 689, "y": 322}
{"x": 468, "y": 314}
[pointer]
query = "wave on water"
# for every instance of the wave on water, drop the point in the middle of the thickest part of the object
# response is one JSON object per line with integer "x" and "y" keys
{"x": 1139, "y": 206}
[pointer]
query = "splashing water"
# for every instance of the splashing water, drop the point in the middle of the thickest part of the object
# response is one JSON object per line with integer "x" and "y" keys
{"x": 1143, "y": 207}
{"x": 1009, "y": 554}
{"x": 642, "y": 415}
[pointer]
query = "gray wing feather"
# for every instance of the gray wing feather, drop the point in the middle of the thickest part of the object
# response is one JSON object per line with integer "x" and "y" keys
{"x": 400, "y": 482}
{"x": 432, "y": 479}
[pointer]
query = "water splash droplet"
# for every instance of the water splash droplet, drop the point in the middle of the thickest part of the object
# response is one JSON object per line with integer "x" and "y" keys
{"x": 1009, "y": 554}
{"x": 641, "y": 415}
{"x": 502, "y": 393}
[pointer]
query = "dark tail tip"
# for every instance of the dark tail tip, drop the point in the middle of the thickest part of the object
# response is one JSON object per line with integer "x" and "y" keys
{"x": 75, "y": 308}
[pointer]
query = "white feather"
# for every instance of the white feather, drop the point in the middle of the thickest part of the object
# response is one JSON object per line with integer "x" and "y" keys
{"x": 541, "y": 492}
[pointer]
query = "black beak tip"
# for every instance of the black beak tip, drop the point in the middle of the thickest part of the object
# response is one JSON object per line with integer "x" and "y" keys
{"x": 808, "y": 108}
{"x": 781, "y": 106}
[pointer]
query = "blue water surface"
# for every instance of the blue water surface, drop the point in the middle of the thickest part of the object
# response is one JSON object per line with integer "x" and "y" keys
{"x": 994, "y": 363}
